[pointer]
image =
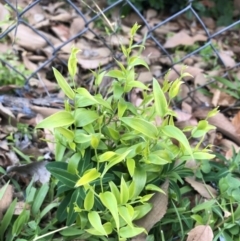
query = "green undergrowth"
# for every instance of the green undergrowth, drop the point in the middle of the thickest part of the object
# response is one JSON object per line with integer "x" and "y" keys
{"x": 113, "y": 157}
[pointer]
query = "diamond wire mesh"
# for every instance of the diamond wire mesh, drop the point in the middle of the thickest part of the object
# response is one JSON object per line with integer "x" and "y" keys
{"x": 87, "y": 28}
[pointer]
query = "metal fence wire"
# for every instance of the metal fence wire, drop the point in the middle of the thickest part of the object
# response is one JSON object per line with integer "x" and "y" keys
{"x": 82, "y": 9}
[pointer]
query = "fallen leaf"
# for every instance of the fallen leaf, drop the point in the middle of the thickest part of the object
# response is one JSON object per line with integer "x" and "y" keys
{"x": 77, "y": 26}
{"x": 6, "y": 199}
{"x": 159, "y": 209}
{"x": 227, "y": 58}
{"x": 180, "y": 38}
{"x": 200, "y": 233}
{"x": 37, "y": 170}
{"x": 236, "y": 122}
{"x": 204, "y": 190}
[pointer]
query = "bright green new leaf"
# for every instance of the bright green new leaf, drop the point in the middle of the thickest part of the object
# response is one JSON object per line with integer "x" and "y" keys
{"x": 115, "y": 73}
{"x": 141, "y": 210}
{"x": 89, "y": 176}
{"x": 147, "y": 197}
{"x": 106, "y": 156}
{"x": 212, "y": 112}
{"x": 139, "y": 180}
{"x": 64, "y": 84}
{"x": 110, "y": 202}
{"x": 160, "y": 101}
{"x": 200, "y": 155}
{"x": 177, "y": 134}
{"x": 95, "y": 221}
{"x": 99, "y": 78}
{"x": 73, "y": 162}
{"x": 124, "y": 193}
{"x": 58, "y": 119}
{"x": 115, "y": 160}
{"x": 72, "y": 62}
{"x": 124, "y": 213}
{"x": 121, "y": 107}
{"x": 3, "y": 189}
{"x": 155, "y": 188}
{"x": 115, "y": 191}
{"x": 135, "y": 61}
{"x": 174, "y": 89}
{"x": 135, "y": 84}
{"x": 69, "y": 135}
{"x": 142, "y": 126}
{"x": 204, "y": 206}
{"x": 84, "y": 117}
{"x": 129, "y": 232}
{"x": 89, "y": 200}
{"x": 131, "y": 166}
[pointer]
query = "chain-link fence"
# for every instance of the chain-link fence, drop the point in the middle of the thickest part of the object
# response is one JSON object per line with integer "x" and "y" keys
{"x": 93, "y": 17}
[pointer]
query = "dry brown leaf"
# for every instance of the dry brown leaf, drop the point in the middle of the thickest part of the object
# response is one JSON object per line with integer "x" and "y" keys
{"x": 200, "y": 233}
{"x": 182, "y": 116}
{"x": 194, "y": 71}
{"x": 151, "y": 13}
{"x": 236, "y": 122}
{"x": 180, "y": 38}
{"x": 62, "y": 17}
{"x": 145, "y": 77}
{"x": 160, "y": 203}
{"x": 37, "y": 170}
{"x": 77, "y": 26}
{"x": 6, "y": 200}
{"x": 216, "y": 95}
{"x": 7, "y": 114}
{"x": 227, "y": 58}
{"x": 20, "y": 206}
{"x": 200, "y": 80}
{"x": 61, "y": 31}
{"x": 204, "y": 190}
{"x": 44, "y": 111}
{"x": 27, "y": 38}
{"x": 4, "y": 12}
{"x": 226, "y": 100}
{"x": 93, "y": 63}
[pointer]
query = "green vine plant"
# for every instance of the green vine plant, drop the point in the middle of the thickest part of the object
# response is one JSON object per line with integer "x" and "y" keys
{"x": 111, "y": 156}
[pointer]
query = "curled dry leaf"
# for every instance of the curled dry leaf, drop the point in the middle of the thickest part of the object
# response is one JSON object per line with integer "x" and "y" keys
{"x": 204, "y": 190}
{"x": 37, "y": 170}
{"x": 27, "y": 38}
{"x": 77, "y": 26}
{"x": 183, "y": 38}
{"x": 201, "y": 233}
{"x": 227, "y": 58}
{"x": 236, "y": 122}
{"x": 159, "y": 209}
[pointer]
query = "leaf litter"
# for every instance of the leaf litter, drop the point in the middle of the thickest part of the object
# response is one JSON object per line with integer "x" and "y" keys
{"x": 59, "y": 25}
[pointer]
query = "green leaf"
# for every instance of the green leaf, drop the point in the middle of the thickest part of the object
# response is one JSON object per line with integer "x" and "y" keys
{"x": 135, "y": 61}
{"x": 115, "y": 191}
{"x": 72, "y": 231}
{"x": 174, "y": 89}
{"x": 99, "y": 78}
{"x": 5, "y": 222}
{"x": 121, "y": 107}
{"x": 20, "y": 222}
{"x": 89, "y": 200}
{"x": 160, "y": 102}
{"x": 89, "y": 176}
{"x": 64, "y": 84}
{"x": 62, "y": 175}
{"x": 139, "y": 179}
{"x": 40, "y": 197}
{"x": 3, "y": 190}
{"x": 72, "y": 62}
{"x": 131, "y": 166}
{"x": 129, "y": 232}
{"x": 135, "y": 84}
{"x": 200, "y": 155}
{"x": 84, "y": 117}
{"x": 58, "y": 119}
{"x": 141, "y": 210}
{"x": 142, "y": 126}
{"x": 204, "y": 206}
{"x": 115, "y": 73}
{"x": 73, "y": 162}
{"x": 124, "y": 193}
{"x": 124, "y": 213}
{"x": 69, "y": 135}
{"x": 110, "y": 202}
{"x": 155, "y": 188}
{"x": 95, "y": 221}
{"x": 177, "y": 134}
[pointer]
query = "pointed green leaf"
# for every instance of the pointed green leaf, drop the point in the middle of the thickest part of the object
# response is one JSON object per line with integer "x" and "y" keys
{"x": 110, "y": 202}
{"x": 124, "y": 213}
{"x": 72, "y": 62}
{"x": 89, "y": 176}
{"x": 160, "y": 101}
{"x": 131, "y": 166}
{"x": 141, "y": 125}
{"x": 64, "y": 84}
{"x": 58, "y": 119}
{"x": 155, "y": 188}
{"x": 129, "y": 232}
{"x": 124, "y": 193}
{"x": 177, "y": 134}
{"x": 89, "y": 200}
{"x": 95, "y": 221}
{"x": 115, "y": 191}
{"x": 84, "y": 117}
